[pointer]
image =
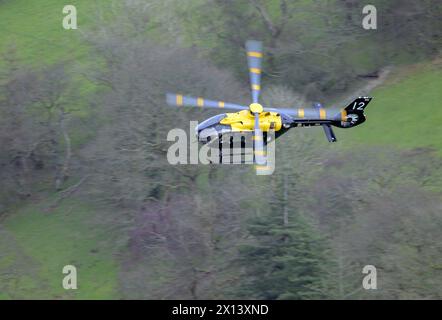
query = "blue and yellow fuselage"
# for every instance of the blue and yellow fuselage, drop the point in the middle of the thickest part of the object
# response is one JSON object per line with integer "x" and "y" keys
{"x": 280, "y": 122}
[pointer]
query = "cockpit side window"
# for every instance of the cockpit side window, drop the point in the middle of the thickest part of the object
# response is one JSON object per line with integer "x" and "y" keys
{"x": 211, "y": 121}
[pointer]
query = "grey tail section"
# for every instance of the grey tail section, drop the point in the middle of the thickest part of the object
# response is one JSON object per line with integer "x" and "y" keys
{"x": 330, "y": 135}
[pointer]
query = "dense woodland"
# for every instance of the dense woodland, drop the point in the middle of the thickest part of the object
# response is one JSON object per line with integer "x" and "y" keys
{"x": 220, "y": 231}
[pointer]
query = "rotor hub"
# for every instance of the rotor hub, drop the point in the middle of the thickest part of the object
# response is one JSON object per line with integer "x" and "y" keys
{"x": 255, "y": 108}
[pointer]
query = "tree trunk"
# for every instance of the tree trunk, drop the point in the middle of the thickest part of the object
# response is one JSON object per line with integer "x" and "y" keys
{"x": 285, "y": 194}
{"x": 63, "y": 173}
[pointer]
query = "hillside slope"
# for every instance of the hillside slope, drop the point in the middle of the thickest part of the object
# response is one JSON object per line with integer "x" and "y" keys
{"x": 405, "y": 111}
{"x": 34, "y": 29}
{"x": 36, "y": 243}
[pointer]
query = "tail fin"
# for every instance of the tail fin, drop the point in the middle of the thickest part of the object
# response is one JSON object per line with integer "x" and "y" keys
{"x": 358, "y": 105}
{"x": 353, "y": 114}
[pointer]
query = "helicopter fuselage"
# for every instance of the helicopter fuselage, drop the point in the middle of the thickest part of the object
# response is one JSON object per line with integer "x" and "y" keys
{"x": 243, "y": 121}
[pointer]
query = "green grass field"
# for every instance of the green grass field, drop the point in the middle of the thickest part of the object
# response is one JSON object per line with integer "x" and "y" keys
{"x": 50, "y": 240}
{"x": 34, "y": 29}
{"x": 405, "y": 111}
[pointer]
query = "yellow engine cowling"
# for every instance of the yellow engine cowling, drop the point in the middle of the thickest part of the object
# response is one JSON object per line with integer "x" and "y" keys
{"x": 245, "y": 121}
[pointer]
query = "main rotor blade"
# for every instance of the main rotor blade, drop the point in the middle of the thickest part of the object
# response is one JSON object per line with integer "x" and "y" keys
{"x": 289, "y": 112}
{"x": 179, "y": 100}
{"x": 258, "y": 143}
{"x": 254, "y": 59}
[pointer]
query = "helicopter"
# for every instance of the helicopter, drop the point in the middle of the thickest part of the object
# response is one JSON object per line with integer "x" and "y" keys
{"x": 260, "y": 120}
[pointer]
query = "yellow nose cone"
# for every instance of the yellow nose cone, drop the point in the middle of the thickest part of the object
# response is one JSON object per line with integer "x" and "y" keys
{"x": 255, "y": 108}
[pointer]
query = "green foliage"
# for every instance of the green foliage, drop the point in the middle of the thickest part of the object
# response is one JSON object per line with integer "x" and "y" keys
{"x": 282, "y": 262}
{"x": 285, "y": 256}
{"x": 41, "y": 242}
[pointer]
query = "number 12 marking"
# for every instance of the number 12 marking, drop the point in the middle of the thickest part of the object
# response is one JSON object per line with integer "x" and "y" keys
{"x": 359, "y": 106}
